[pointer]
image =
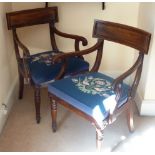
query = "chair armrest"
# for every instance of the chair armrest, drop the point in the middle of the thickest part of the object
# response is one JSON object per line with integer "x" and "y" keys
{"x": 117, "y": 83}
{"x": 26, "y": 55}
{"x": 120, "y": 79}
{"x": 63, "y": 56}
{"x": 75, "y": 37}
{"x": 21, "y": 45}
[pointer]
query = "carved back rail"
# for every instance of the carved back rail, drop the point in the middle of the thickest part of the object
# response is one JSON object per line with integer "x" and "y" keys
{"x": 48, "y": 15}
{"x": 129, "y": 36}
{"x": 32, "y": 17}
{"x": 18, "y": 19}
{"x": 123, "y": 34}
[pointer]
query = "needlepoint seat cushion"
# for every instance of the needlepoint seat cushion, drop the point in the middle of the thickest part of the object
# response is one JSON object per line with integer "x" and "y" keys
{"x": 91, "y": 93}
{"x": 43, "y": 71}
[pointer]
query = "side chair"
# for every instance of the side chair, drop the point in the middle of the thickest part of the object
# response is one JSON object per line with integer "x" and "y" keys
{"x": 97, "y": 97}
{"x": 38, "y": 68}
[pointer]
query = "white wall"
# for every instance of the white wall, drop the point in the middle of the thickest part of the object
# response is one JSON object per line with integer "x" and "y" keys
{"x": 8, "y": 67}
{"x": 8, "y": 70}
{"x": 147, "y": 22}
{"x": 78, "y": 18}
{"x": 146, "y": 88}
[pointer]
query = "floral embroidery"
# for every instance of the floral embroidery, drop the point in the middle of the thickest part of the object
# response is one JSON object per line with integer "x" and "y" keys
{"x": 93, "y": 86}
{"x": 45, "y": 57}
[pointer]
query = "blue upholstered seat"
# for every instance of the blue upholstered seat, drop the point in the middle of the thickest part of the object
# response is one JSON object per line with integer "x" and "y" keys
{"x": 90, "y": 93}
{"x": 43, "y": 71}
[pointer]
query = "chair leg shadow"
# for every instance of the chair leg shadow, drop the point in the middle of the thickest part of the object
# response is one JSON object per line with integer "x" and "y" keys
{"x": 63, "y": 118}
{"x": 117, "y": 145}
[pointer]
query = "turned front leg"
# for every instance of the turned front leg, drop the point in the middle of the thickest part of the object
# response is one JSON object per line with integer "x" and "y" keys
{"x": 99, "y": 139}
{"x": 53, "y": 114}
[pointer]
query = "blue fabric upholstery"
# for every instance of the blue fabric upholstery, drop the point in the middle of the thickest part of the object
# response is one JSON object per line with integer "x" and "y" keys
{"x": 43, "y": 71}
{"x": 90, "y": 93}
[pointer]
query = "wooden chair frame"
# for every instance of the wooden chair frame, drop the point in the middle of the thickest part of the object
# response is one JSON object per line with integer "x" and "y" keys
{"x": 118, "y": 33}
{"x": 47, "y": 15}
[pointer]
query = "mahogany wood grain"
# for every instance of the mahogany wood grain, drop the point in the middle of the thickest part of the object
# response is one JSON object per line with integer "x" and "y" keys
{"x": 117, "y": 33}
{"x": 32, "y": 17}
{"x": 23, "y": 18}
{"x": 123, "y": 34}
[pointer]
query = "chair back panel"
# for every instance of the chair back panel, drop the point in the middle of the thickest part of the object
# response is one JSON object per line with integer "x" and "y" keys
{"x": 122, "y": 34}
{"x": 32, "y": 17}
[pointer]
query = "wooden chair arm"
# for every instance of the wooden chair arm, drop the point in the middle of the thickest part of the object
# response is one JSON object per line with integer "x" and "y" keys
{"x": 21, "y": 45}
{"x": 120, "y": 79}
{"x": 117, "y": 84}
{"x": 63, "y": 56}
{"x": 71, "y": 36}
{"x": 26, "y": 55}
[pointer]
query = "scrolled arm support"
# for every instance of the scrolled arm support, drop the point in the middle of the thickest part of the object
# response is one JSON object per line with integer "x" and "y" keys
{"x": 21, "y": 45}
{"x": 117, "y": 83}
{"x": 63, "y": 56}
{"x": 77, "y": 38}
{"x": 128, "y": 72}
{"x": 62, "y": 71}
{"x": 26, "y": 55}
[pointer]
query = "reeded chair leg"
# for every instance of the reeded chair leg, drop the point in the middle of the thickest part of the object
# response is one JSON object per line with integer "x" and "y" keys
{"x": 37, "y": 103}
{"x": 130, "y": 116}
{"x": 53, "y": 114}
{"x": 21, "y": 86}
{"x": 99, "y": 139}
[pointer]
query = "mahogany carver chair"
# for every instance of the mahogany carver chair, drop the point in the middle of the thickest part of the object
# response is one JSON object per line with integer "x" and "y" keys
{"x": 38, "y": 68}
{"x": 95, "y": 96}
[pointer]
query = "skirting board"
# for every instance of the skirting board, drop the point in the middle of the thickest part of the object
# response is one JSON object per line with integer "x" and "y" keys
{"x": 145, "y": 107}
{"x": 9, "y": 101}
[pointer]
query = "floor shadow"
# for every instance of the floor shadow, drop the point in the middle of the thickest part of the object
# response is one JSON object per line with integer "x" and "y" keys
{"x": 63, "y": 118}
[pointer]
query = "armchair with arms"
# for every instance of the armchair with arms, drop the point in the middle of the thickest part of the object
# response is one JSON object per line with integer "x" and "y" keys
{"x": 38, "y": 68}
{"x": 97, "y": 97}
